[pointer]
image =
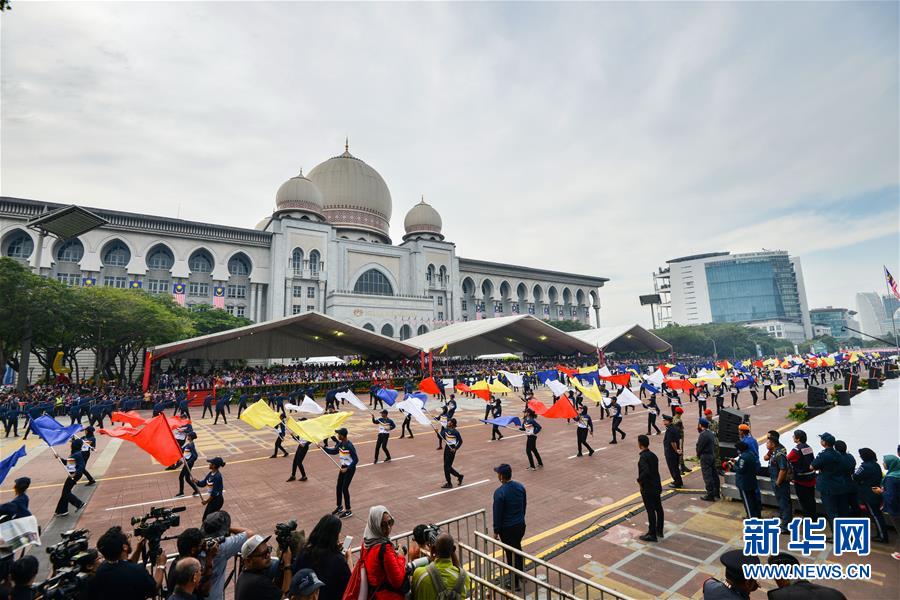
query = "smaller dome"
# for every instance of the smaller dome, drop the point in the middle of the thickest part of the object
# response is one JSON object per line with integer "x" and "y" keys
{"x": 299, "y": 193}
{"x": 423, "y": 220}
{"x": 262, "y": 224}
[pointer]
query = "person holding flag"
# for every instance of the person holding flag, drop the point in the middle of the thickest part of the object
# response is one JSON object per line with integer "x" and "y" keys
{"x": 214, "y": 500}
{"x": 616, "y": 412}
{"x": 189, "y": 454}
{"x": 385, "y": 426}
{"x": 406, "y": 425}
{"x": 299, "y": 456}
{"x": 531, "y": 428}
{"x": 280, "y": 428}
{"x": 89, "y": 443}
{"x": 584, "y": 424}
{"x": 347, "y": 461}
{"x": 652, "y": 412}
{"x": 75, "y": 469}
{"x": 496, "y": 412}
{"x": 451, "y": 435}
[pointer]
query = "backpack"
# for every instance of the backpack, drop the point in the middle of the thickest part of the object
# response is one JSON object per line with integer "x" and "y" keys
{"x": 443, "y": 592}
{"x": 358, "y": 584}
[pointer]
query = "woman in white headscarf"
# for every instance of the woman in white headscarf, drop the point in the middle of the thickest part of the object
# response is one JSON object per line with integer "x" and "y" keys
{"x": 385, "y": 567}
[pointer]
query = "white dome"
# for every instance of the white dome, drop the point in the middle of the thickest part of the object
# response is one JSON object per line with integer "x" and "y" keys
{"x": 355, "y": 195}
{"x": 262, "y": 224}
{"x": 299, "y": 193}
{"x": 423, "y": 219}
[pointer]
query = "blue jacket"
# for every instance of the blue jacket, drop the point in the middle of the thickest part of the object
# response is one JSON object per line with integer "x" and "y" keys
{"x": 510, "y": 501}
{"x": 830, "y": 467}
{"x": 16, "y": 508}
{"x": 745, "y": 469}
{"x": 214, "y": 479}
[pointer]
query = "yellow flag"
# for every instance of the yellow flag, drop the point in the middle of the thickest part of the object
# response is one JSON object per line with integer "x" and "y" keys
{"x": 259, "y": 415}
{"x": 591, "y": 393}
{"x": 480, "y": 385}
{"x": 588, "y": 369}
{"x": 499, "y": 388}
{"x": 443, "y": 349}
{"x": 318, "y": 429}
{"x": 775, "y": 388}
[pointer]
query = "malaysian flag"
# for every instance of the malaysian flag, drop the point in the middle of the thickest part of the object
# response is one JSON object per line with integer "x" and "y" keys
{"x": 891, "y": 283}
{"x": 219, "y": 296}
{"x": 178, "y": 292}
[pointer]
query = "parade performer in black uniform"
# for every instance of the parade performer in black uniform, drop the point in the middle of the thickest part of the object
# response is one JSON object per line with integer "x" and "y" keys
{"x": 279, "y": 440}
{"x": 189, "y": 454}
{"x": 672, "y": 451}
{"x": 347, "y": 461}
{"x": 451, "y": 435}
{"x": 496, "y": 411}
{"x": 584, "y": 425}
{"x": 652, "y": 412}
{"x": 214, "y": 500}
{"x": 406, "y": 426}
{"x": 89, "y": 444}
{"x": 207, "y": 406}
{"x": 299, "y": 455}
{"x": 616, "y": 412}
{"x": 75, "y": 468}
{"x": 385, "y": 426}
{"x": 531, "y": 428}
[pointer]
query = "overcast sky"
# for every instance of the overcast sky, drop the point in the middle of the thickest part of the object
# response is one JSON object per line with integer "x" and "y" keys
{"x": 595, "y": 138}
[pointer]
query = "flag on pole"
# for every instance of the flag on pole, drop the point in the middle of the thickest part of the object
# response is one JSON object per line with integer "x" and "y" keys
{"x": 412, "y": 407}
{"x": 891, "y": 283}
{"x": 557, "y": 388}
{"x": 561, "y": 409}
{"x": 259, "y": 415}
{"x": 621, "y": 379}
{"x": 52, "y": 431}
{"x": 388, "y": 395}
{"x": 514, "y": 379}
{"x": 505, "y": 421}
{"x": 219, "y": 296}
{"x": 318, "y": 429}
{"x": 155, "y": 438}
{"x": 627, "y": 398}
{"x": 429, "y": 386}
{"x": 350, "y": 397}
{"x": 443, "y": 349}
{"x": 537, "y": 406}
{"x": 9, "y": 462}
{"x": 178, "y": 293}
{"x": 308, "y": 405}
{"x": 131, "y": 417}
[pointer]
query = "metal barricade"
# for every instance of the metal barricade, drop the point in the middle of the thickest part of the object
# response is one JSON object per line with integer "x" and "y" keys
{"x": 463, "y": 529}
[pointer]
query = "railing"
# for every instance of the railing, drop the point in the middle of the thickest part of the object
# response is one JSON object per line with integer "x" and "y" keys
{"x": 538, "y": 579}
{"x": 463, "y": 528}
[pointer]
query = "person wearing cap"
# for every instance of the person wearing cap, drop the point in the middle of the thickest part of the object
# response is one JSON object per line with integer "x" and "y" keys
{"x": 672, "y": 451}
{"x": 281, "y": 429}
{"x": 735, "y": 586}
{"x": 747, "y": 437}
{"x": 780, "y": 478}
{"x": 848, "y": 467}
{"x": 347, "y": 461}
{"x": 255, "y": 581}
{"x": 18, "y": 506}
{"x": 798, "y": 589}
{"x": 510, "y": 503}
{"x": 829, "y": 482}
{"x": 189, "y": 453}
{"x": 678, "y": 422}
{"x": 804, "y": 476}
{"x": 385, "y": 426}
{"x": 652, "y": 412}
{"x": 75, "y": 468}
{"x": 305, "y": 585}
{"x": 706, "y": 453}
{"x": 453, "y": 438}
{"x": 746, "y": 466}
{"x": 584, "y": 425}
{"x": 651, "y": 489}
{"x": 218, "y": 525}
{"x": 214, "y": 500}
{"x": 89, "y": 443}
{"x": 443, "y": 574}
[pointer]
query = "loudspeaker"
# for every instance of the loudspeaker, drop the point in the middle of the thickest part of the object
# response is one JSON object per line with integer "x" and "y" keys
{"x": 817, "y": 396}
{"x": 729, "y": 420}
{"x": 727, "y": 450}
{"x": 874, "y": 383}
{"x": 843, "y": 397}
{"x": 850, "y": 381}
{"x": 815, "y": 411}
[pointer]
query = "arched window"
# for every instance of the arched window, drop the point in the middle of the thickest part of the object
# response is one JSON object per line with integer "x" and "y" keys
{"x": 200, "y": 262}
{"x": 442, "y": 274}
{"x": 70, "y": 252}
{"x": 239, "y": 265}
{"x": 369, "y": 327}
{"x": 429, "y": 274}
{"x": 405, "y": 332}
{"x": 373, "y": 283}
{"x": 160, "y": 259}
{"x": 387, "y": 330}
{"x": 421, "y": 330}
{"x": 314, "y": 259}
{"x": 297, "y": 262}
{"x": 116, "y": 255}
{"x": 20, "y": 246}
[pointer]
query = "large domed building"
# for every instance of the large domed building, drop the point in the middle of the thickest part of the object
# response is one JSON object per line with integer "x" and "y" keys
{"x": 326, "y": 246}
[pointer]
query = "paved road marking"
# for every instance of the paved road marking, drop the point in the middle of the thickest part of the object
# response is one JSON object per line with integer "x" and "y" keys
{"x": 393, "y": 460}
{"x": 173, "y": 499}
{"x": 506, "y": 437}
{"x": 453, "y": 489}
{"x": 595, "y": 450}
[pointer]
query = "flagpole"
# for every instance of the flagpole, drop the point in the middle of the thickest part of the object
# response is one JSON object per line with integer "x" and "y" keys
{"x": 893, "y": 322}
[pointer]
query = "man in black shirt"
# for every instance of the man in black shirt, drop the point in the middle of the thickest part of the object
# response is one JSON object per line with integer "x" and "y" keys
{"x": 120, "y": 576}
{"x": 22, "y": 573}
{"x": 185, "y": 578}
{"x": 672, "y": 451}
{"x": 651, "y": 489}
{"x": 255, "y": 583}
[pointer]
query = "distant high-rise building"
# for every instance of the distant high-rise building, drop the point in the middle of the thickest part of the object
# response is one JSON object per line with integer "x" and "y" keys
{"x": 834, "y": 320}
{"x": 875, "y": 312}
{"x": 762, "y": 289}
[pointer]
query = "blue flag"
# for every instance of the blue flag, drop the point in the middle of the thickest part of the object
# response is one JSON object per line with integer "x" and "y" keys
{"x": 588, "y": 378}
{"x": 387, "y": 395}
{"x": 9, "y": 376}
{"x": 545, "y": 376}
{"x": 679, "y": 368}
{"x": 52, "y": 432}
{"x": 650, "y": 387}
{"x": 9, "y": 462}
{"x": 504, "y": 421}
{"x": 743, "y": 383}
{"x": 418, "y": 395}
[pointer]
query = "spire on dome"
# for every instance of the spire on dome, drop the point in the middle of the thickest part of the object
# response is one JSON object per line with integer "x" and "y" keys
{"x": 346, "y": 153}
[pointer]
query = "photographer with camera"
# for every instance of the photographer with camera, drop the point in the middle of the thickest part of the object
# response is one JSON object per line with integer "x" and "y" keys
{"x": 423, "y": 536}
{"x": 385, "y": 566}
{"x": 444, "y": 577}
{"x": 192, "y": 545}
{"x": 120, "y": 576}
{"x": 324, "y": 554}
{"x": 217, "y": 527}
{"x": 256, "y": 581}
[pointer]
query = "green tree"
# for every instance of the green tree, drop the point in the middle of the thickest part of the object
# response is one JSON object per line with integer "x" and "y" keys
{"x": 206, "y": 319}
{"x": 567, "y": 325}
{"x": 728, "y": 340}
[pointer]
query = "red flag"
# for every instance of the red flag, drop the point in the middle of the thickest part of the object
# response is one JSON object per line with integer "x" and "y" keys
{"x": 483, "y": 394}
{"x": 155, "y": 438}
{"x": 561, "y": 409}
{"x": 429, "y": 386}
{"x": 131, "y": 417}
{"x": 537, "y": 406}
{"x": 567, "y": 370}
{"x": 664, "y": 369}
{"x": 757, "y": 363}
{"x": 176, "y": 422}
{"x": 461, "y": 387}
{"x": 620, "y": 379}
{"x": 679, "y": 384}
{"x": 148, "y": 367}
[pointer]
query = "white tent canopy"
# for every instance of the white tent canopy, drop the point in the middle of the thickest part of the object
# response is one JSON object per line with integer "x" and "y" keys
{"x": 299, "y": 336}
{"x": 517, "y": 333}
{"x": 623, "y": 338}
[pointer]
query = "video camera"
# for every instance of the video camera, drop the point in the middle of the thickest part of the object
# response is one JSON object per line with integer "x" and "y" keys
{"x": 426, "y": 534}
{"x": 153, "y": 525}
{"x": 70, "y": 558}
{"x": 74, "y": 542}
{"x": 283, "y": 532}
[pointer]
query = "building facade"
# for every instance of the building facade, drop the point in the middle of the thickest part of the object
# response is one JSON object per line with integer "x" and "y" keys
{"x": 753, "y": 288}
{"x": 877, "y": 314}
{"x": 835, "y": 320}
{"x": 326, "y": 247}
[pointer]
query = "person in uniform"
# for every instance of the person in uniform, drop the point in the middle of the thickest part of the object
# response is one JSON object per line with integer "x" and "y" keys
{"x": 451, "y": 406}
{"x": 385, "y": 426}
{"x": 299, "y": 456}
{"x": 584, "y": 425}
{"x": 616, "y": 412}
{"x": 745, "y": 467}
{"x": 651, "y": 489}
{"x": 747, "y": 437}
{"x": 496, "y": 412}
{"x": 804, "y": 476}
{"x": 12, "y": 419}
{"x": 242, "y": 404}
{"x": 220, "y": 409}
{"x": 18, "y": 506}
{"x": 778, "y": 476}
{"x": 735, "y": 586}
{"x": 706, "y": 453}
{"x": 442, "y": 419}
{"x": 347, "y": 461}
{"x": 829, "y": 482}
{"x": 672, "y": 451}
{"x": 652, "y": 412}
{"x": 214, "y": 500}
{"x": 451, "y": 435}
{"x": 75, "y": 469}
{"x": 406, "y": 425}
{"x": 281, "y": 429}
{"x": 189, "y": 454}
{"x": 207, "y": 406}
{"x": 89, "y": 443}
{"x": 799, "y": 589}
{"x": 531, "y": 428}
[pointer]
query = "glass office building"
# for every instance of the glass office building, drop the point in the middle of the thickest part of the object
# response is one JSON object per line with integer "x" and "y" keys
{"x": 835, "y": 319}
{"x": 753, "y": 288}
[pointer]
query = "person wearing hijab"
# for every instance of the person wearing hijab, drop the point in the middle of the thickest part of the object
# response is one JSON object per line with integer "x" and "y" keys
{"x": 385, "y": 566}
{"x": 890, "y": 494}
{"x": 867, "y": 476}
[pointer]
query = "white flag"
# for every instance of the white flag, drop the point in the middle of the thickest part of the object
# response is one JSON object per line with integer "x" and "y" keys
{"x": 556, "y": 387}
{"x": 656, "y": 378}
{"x": 626, "y": 398}
{"x": 514, "y": 379}
{"x": 604, "y": 370}
{"x": 19, "y": 533}
{"x": 350, "y": 397}
{"x": 308, "y": 405}
{"x": 412, "y": 406}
